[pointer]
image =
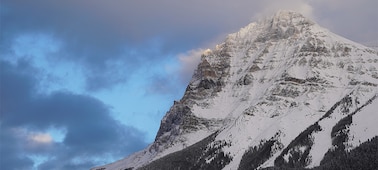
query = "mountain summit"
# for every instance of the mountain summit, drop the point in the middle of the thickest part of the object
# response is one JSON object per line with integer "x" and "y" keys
{"x": 280, "y": 93}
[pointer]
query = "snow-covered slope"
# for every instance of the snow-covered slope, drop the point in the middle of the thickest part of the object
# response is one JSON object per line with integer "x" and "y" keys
{"x": 281, "y": 92}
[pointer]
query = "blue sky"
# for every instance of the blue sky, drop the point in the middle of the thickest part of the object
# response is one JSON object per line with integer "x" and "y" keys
{"x": 83, "y": 83}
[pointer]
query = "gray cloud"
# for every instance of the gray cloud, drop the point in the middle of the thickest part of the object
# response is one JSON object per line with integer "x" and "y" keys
{"x": 91, "y": 132}
{"x": 10, "y": 150}
{"x": 96, "y": 34}
{"x": 355, "y": 20}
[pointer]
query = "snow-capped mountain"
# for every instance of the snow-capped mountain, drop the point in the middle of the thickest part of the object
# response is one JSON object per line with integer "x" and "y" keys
{"x": 281, "y": 93}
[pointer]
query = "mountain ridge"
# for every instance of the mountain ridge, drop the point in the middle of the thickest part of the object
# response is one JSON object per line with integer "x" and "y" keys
{"x": 276, "y": 89}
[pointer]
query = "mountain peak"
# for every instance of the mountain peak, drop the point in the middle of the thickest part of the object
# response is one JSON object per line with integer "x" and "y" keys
{"x": 281, "y": 92}
{"x": 282, "y": 25}
{"x": 285, "y": 18}
{"x": 286, "y": 14}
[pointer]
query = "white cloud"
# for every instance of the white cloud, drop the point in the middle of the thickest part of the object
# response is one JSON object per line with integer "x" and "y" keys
{"x": 188, "y": 62}
{"x": 32, "y": 137}
{"x": 42, "y": 138}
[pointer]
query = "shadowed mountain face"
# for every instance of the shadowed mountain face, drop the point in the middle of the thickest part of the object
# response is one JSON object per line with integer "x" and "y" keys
{"x": 280, "y": 93}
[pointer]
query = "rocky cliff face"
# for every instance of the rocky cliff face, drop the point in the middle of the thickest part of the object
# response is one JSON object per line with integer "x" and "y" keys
{"x": 280, "y": 93}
